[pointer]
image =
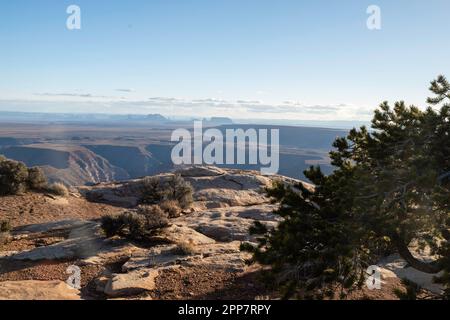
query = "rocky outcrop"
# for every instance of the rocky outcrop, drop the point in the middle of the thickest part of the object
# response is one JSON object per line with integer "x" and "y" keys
{"x": 214, "y": 188}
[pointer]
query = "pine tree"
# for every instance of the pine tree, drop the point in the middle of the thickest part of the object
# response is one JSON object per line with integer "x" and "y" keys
{"x": 390, "y": 189}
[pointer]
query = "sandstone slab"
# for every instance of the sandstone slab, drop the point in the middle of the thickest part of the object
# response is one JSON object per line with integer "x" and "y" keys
{"x": 131, "y": 283}
{"x": 37, "y": 290}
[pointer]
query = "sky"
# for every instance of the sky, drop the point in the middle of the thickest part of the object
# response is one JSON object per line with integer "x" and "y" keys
{"x": 246, "y": 59}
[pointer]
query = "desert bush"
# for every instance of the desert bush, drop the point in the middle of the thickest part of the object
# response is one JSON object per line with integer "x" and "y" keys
{"x": 112, "y": 225}
{"x": 152, "y": 190}
{"x": 36, "y": 179}
{"x": 16, "y": 178}
{"x": 180, "y": 190}
{"x": 186, "y": 247}
{"x": 58, "y": 189}
{"x": 154, "y": 215}
{"x": 137, "y": 224}
{"x": 13, "y": 177}
{"x": 155, "y": 190}
{"x": 171, "y": 207}
{"x": 5, "y": 226}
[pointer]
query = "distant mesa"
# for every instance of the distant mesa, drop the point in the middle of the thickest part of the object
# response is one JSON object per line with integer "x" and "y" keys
{"x": 157, "y": 117}
{"x": 9, "y": 116}
{"x": 217, "y": 121}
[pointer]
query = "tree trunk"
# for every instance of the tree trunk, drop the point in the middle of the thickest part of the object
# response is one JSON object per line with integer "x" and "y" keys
{"x": 427, "y": 267}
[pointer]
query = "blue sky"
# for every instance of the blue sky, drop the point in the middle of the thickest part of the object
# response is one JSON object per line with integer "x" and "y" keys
{"x": 287, "y": 59}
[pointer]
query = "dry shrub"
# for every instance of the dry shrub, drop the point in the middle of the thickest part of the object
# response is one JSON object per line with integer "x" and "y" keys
{"x": 155, "y": 216}
{"x": 58, "y": 189}
{"x": 5, "y": 226}
{"x": 171, "y": 207}
{"x": 155, "y": 190}
{"x": 135, "y": 224}
{"x": 36, "y": 179}
{"x": 112, "y": 225}
{"x": 187, "y": 247}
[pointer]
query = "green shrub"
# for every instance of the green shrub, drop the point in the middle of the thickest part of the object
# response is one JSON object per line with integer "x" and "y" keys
{"x": 16, "y": 178}
{"x": 36, "y": 179}
{"x": 13, "y": 177}
{"x": 155, "y": 190}
{"x": 58, "y": 189}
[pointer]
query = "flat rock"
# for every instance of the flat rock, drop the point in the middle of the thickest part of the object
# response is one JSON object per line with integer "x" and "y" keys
{"x": 84, "y": 241}
{"x": 159, "y": 256}
{"x": 49, "y": 227}
{"x": 183, "y": 234}
{"x": 131, "y": 283}
{"x": 231, "y": 262}
{"x": 200, "y": 171}
{"x": 37, "y": 290}
{"x": 219, "y": 198}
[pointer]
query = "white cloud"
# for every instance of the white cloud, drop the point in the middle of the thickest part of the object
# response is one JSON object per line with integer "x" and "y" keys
{"x": 126, "y": 90}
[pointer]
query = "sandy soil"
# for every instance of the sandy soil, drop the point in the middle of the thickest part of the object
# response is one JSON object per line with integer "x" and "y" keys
{"x": 32, "y": 208}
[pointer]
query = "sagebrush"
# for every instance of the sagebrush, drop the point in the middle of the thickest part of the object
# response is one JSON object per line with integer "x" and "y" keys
{"x": 155, "y": 190}
{"x": 136, "y": 224}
